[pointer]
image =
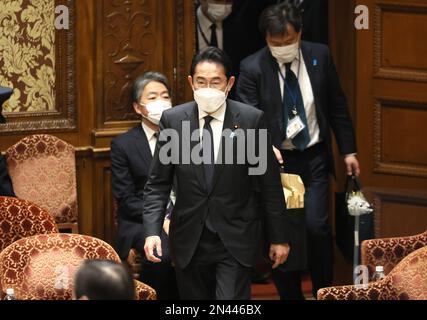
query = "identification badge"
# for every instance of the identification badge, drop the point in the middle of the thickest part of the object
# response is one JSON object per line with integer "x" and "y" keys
{"x": 295, "y": 126}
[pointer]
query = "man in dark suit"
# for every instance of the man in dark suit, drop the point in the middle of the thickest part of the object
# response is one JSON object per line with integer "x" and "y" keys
{"x": 216, "y": 224}
{"x": 296, "y": 84}
{"x": 6, "y": 188}
{"x": 314, "y": 20}
{"x": 230, "y": 25}
{"x": 131, "y": 155}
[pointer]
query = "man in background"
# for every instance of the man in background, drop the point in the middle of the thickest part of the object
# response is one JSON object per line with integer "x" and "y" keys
{"x": 103, "y": 280}
{"x": 230, "y": 25}
{"x": 296, "y": 84}
{"x": 131, "y": 156}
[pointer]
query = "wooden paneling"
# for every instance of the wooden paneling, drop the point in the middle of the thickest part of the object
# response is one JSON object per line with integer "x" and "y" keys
{"x": 391, "y": 100}
{"x": 398, "y": 212}
{"x": 108, "y": 45}
{"x": 400, "y": 41}
{"x": 386, "y": 73}
{"x": 409, "y": 156}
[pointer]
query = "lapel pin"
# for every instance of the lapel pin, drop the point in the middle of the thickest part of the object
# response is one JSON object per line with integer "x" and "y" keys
{"x": 233, "y": 134}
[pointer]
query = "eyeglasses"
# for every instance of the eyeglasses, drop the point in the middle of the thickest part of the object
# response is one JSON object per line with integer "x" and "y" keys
{"x": 215, "y": 84}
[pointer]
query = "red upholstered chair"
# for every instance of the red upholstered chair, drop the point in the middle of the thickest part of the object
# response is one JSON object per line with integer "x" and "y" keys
{"x": 144, "y": 292}
{"x": 21, "y": 218}
{"x": 43, "y": 170}
{"x": 388, "y": 252}
{"x": 407, "y": 281}
{"x": 42, "y": 267}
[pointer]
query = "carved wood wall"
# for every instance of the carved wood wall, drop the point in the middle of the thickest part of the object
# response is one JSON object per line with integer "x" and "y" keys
{"x": 109, "y": 43}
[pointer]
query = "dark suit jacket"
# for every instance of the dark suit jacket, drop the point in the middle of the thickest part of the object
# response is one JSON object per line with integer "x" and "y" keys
{"x": 259, "y": 86}
{"x": 241, "y": 36}
{"x": 233, "y": 203}
{"x": 315, "y": 21}
{"x": 130, "y": 163}
{"x": 6, "y": 188}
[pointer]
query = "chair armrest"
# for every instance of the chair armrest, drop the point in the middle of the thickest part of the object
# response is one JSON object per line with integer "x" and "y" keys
{"x": 388, "y": 252}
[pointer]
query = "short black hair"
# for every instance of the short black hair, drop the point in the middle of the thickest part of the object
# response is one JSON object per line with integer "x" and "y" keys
{"x": 212, "y": 54}
{"x": 275, "y": 18}
{"x": 103, "y": 280}
{"x": 142, "y": 81}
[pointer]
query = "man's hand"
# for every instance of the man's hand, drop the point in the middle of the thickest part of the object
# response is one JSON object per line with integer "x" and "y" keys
{"x": 152, "y": 243}
{"x": 352, "y": 165}
{"x": 279, "y": 253}
{"x": 278, "y": 155}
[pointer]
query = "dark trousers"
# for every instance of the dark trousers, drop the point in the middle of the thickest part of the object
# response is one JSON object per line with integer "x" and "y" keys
{"x": 213, "y": 273}
{"x": 160, "y": 276}
{"x": 312, "y": 165}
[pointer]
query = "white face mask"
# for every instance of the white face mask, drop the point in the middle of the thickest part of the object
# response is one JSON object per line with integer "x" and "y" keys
{"x": 155, "y": 110}
{"x": 218, "y": 12}
{"x": 209, "y": 100}
{"x": 285, "y": 54}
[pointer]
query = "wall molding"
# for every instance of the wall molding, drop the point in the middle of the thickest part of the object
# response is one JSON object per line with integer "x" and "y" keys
{"x": 390, "y": 72}
{"x": 381, "y": 166}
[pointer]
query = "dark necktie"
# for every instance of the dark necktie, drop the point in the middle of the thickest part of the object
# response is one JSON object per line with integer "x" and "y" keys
{"x": 293, "y": 100}
{"x": 208, "y": 163}
{"x": 208, "y": 153}
{"x": 214, "y": 40}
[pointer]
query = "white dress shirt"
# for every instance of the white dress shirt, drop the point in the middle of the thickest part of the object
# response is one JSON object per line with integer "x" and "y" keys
{"x": 152, "y": 140}
{"x": 151, "y": 137}
{"x": 217, "y": 124}
{"x": 308, "y": 100}
{"x": 205, "y": 26}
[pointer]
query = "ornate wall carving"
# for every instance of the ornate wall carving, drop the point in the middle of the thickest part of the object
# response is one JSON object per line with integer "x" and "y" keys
{"x": 128, "y": 45}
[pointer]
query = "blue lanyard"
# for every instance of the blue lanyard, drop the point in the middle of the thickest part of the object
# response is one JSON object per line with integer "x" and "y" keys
{"x": 291, "y": 95}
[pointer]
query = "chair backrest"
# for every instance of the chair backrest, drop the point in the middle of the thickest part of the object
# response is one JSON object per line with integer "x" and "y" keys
{"x": 42, "y": 267}
{"x": 21, "y": 218}
{"x": 43, "y": 170}
{"x": 407, "y": 281}
{"x": 388, "y": 252}
{"x": 144, "y": 292}
{"x": 409, "y": 277}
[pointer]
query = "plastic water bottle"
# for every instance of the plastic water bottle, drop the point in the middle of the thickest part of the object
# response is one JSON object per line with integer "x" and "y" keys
{"x": 10, "y": 294}
{"x": 379, "y": 273}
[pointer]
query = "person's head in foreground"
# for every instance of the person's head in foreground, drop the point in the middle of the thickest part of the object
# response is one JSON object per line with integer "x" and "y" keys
{"x": 103, "y": 280}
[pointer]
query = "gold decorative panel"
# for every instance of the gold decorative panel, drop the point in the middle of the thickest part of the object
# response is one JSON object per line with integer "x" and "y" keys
{"x": 37, "y": 61}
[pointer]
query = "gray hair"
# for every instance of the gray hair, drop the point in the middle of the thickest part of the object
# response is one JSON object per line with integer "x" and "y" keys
{"x": 142, "y": 81}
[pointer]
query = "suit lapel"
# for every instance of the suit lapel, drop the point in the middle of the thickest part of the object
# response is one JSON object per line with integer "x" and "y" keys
{"x": 271, "y": 67}
{"x": 141, "y": 143}
{"x": 193, "y": 117}
{"x": 312, "y": 65}
{"x": 231, "y": 120}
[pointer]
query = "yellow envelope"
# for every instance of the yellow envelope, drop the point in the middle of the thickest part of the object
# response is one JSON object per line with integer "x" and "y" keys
{"x": 293, "y": 189}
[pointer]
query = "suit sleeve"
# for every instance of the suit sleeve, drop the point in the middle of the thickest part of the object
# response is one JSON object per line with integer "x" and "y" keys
{"x": 247, "y": 87}
{"x": 271, "y": 192}
{"x": 338, "y": 113}
{"x": 158, "y": 187}
{"x": 6, "y": 188}
{"x": 129, "y": 200}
